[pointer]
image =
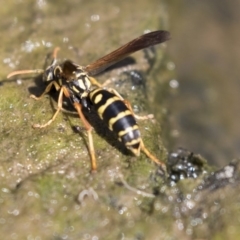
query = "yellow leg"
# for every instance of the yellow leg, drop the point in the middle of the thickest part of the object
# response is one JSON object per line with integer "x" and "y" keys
{"x": 146, "y": 117}
{"x": 94, "y": 82}
{"x": 47, "y": 90}
{"x": 60, "y": 100}
{"x": 89, "y": 129}
{"x": 152, "y": 157}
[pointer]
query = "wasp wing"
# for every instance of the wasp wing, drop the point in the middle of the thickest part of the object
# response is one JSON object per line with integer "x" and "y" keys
{"x": 144, "y": 41}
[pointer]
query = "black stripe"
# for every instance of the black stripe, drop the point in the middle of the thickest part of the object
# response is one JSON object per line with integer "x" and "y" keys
{"x": 124, "y": 123}
{"x": 114, "y": 109}
{"x": 105, "y": 96}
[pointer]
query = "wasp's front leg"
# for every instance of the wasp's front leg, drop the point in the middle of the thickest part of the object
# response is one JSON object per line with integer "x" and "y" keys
{"x": 63, "y": 91}
{"x": 47, "y": 90}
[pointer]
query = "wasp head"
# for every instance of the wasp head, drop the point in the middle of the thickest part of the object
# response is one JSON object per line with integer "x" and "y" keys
{"x": 52, "y": 73}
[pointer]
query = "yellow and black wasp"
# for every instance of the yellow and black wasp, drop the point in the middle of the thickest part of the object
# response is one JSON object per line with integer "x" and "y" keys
{"x": 75, "y": 82}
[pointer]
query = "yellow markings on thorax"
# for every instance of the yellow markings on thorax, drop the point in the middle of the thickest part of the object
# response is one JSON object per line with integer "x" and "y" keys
{"x": 84, "y": 84}
{"x": 119, "y": 116}
{"x": 81, "y": 84}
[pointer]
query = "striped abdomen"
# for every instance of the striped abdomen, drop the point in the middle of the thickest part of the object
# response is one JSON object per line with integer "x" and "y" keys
{"x": 112, "y": 110}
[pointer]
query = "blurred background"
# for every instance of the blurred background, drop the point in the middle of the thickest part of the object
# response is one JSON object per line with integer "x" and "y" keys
{"x": 205, "y": 49}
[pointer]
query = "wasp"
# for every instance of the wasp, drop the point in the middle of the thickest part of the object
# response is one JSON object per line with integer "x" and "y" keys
{"x": 84, "y": 92}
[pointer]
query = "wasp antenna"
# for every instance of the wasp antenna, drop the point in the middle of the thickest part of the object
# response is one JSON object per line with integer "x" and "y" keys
{"x": 20, "y": 72}
{"x": 55, "y": 51}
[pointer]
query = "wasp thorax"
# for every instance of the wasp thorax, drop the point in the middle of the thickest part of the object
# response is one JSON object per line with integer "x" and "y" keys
{"x": 80, "y": 85}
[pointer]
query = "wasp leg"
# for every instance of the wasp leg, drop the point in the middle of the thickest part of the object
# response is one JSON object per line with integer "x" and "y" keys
{"x": 151, "y": 156}
{"x": 89, "y": 129}
{"x": 127, "y": 103}
{"x": 47, "y": 90}
{"x": 108, "y": 81}
{"x": 63, "y": 91}
{"x": 146, "y": 117}
{"x": 94, "y": 82}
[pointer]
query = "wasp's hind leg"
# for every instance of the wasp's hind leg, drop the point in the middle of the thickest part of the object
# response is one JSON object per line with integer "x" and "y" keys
{"x": 151, "y": 156}
{"x": 145, "y": 117}
{"x": 127, "y": 103}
